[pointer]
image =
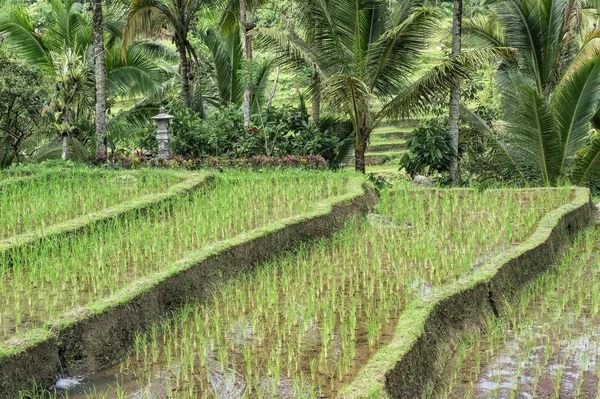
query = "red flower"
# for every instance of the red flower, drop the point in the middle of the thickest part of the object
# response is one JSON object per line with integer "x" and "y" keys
{"x": 252, "y": 130}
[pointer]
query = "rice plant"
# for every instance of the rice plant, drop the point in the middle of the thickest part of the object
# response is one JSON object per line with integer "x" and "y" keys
{"x": 46, "y": 280}
{"x": 549, "y": 342}
{"x": 48, "y": 198}
{"x": 302, "y": 326}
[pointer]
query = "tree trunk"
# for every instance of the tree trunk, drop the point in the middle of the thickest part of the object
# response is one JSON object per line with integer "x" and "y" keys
{"x": 360, "y": 148}
{"x": 316, "y": 100}
{"x": 359, "y": 159}
{"x": 246, "y": 29}
{"x": 274, "y": 91}
{"x": 65, "y": 146}
{"x": 100, "y": 77}
{"x": 184, "y": 67}
{"x": 454, "y": 120}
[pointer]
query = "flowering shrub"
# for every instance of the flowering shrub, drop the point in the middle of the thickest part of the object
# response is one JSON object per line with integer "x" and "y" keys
{"x": 276, "y": 132}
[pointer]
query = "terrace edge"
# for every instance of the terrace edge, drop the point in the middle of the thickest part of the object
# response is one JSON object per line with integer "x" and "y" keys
{"x": 412, "y": 363}
{"x": 80, "y": 223}
{"x": 97, "y": 336}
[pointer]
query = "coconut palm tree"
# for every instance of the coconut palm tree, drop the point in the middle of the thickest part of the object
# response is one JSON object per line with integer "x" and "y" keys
{"x": 310, "y": 32}
{"x": 179, "y": 16}
{"x": 367, "y": 52}
{"x": 100, "y": 78}
{"x": 64, "y": 51}
{"x": 225, "y": 62}
{"x": 550, "y": 88}
{"x": 454, "y": 119}
{"x": 240, "y": 16}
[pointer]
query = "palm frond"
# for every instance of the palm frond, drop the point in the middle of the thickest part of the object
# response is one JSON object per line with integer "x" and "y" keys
{"x": 586, "y": 167}
{"x": 574, "y": 103}
{"x": 522, "y": 23}
{"x": 416, "y": 98}
{"x": 137, "y": 73}
{"x": 226, "y": 57}
{"x": 349, "y": 94}
{"x": 590, "y": 49}
{"x": 535, "y": 141}
{"x": 393, "y": 59}
{"x": 20, "y": 34}
{"x": 291, "y": 49}
{"x": 261, "y": 73}
{"x": 480, "y": 32}
{"x": 143, "y": 17}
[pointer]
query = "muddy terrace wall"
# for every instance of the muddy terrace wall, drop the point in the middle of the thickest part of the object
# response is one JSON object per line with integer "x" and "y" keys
{"x": 101, "y": 334}
{"x": 412, "y": 364}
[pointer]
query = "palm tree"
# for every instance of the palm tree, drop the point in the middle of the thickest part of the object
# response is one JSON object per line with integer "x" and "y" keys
{"x": 550, "y": 89}
{"x": 100, "y": 78}
{"x": 311, "y": 33}
{"x": 179, "y": 15}
{"x": 225, "y": 61}
{"x": 239, "y": 15}
{"x": 454, "y": 119}
{"x": 368, "y": 50}
{"x": 64, "y": 51}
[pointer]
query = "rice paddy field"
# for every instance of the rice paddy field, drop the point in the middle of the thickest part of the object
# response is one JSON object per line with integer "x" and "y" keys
{"x": 304, "y": 324}
{"x": 548, "y": 346}
{"x": 43, "y": 281}
{"x": 32, "y": 203}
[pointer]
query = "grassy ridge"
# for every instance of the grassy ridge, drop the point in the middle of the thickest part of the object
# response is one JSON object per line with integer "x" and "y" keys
{"x": 547, "y": 344}
{"x": 410, "y": 365}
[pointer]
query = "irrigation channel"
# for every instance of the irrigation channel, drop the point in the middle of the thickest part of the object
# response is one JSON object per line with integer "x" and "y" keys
{"x": 548, "y": 346}
{"x": 304, "y": 324}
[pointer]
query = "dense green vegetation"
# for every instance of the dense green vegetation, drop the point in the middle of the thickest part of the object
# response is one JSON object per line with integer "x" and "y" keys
{"x": 309, "y": 78}
{"x": 270, "y": 103}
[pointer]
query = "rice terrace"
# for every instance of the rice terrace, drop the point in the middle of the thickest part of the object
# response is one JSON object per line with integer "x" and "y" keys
{"x": 351, "y": 199}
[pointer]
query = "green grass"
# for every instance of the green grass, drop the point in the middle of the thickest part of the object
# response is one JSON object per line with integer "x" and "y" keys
{"x": 42, "y": 200}
{"x": 383, "y": 168}
{"x": 391, "y": 129}
{"x": 305, "y": 323}
{"x": 376, "y": 159}
{"x": 380, "y": 141}
{"x": 100, "y": 261}
{"x": 391, "y": 154}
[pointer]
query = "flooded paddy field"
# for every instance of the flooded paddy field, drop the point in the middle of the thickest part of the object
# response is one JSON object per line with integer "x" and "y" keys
{"x": 548, "y": 345}
{"x": 38, "y": 202}
{"x": 303, "y": 325}
{"x": 100, "y": 261}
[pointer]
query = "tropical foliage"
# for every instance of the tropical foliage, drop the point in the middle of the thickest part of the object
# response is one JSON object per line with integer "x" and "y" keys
{"x": 230, "y": 68}
{"x": 367, "y": 52}
{"x": 63, "y": 51}
{"x": 549, "y": 86}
